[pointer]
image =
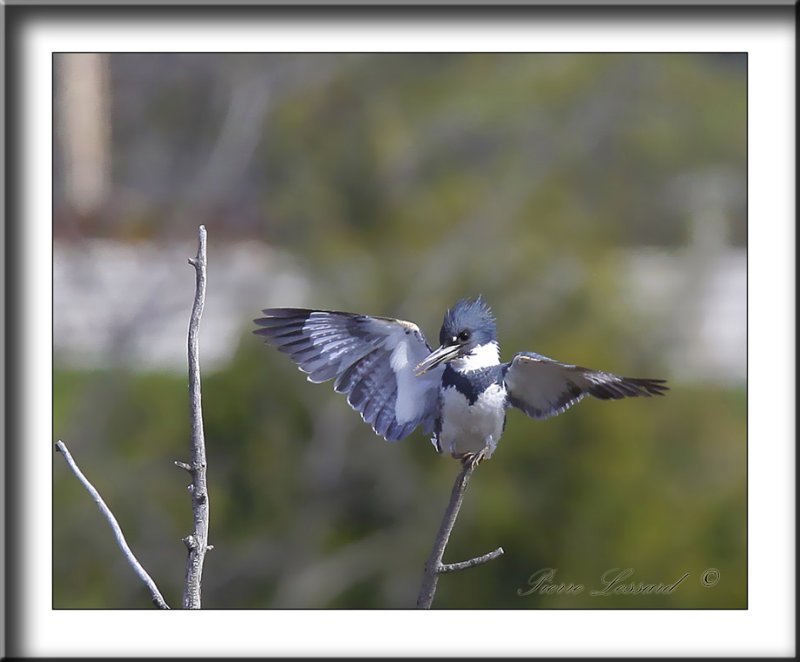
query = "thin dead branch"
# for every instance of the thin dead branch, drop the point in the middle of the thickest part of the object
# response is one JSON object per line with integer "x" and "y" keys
{"x": 197, "y": 541}
{"x": 434, "y": 567}
{"x": 155, "y": 594}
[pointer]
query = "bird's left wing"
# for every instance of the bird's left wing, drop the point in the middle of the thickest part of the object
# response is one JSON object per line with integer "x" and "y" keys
{"x": 542, "y": 387}
{"x": 371, "y": 358}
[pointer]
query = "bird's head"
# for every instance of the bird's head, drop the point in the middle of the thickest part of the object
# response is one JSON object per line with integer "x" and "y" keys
{"x": 468, "y": 336}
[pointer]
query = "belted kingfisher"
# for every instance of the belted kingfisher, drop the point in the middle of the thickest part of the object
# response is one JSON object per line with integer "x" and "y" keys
{"x": 460, "y": 392}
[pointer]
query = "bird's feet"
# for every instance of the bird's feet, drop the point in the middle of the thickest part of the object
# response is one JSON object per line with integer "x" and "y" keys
{"x": 472, "y": 459}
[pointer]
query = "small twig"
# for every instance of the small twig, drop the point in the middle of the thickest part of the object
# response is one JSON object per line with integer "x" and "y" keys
{"x": 158, "y": 600}
{"x": 197, "y": 542}
{"x": 478, "y": 560}
{"x": 434, "y": 567}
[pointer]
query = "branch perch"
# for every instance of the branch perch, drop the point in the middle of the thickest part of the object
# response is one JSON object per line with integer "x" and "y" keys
{"x": 197, "y": 541}
{"x": 155, "y": 594}
{"x": 434, "y": 567}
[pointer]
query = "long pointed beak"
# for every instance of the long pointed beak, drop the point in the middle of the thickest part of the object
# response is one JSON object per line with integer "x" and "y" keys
{"x": 442, "y": 355}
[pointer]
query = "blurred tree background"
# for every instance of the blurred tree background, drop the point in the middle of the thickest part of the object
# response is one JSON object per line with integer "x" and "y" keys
{"x": 597, "y": 201}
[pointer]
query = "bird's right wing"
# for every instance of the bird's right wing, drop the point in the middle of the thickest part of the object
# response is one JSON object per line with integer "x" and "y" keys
{"x": 371, "y": 358}
{"x": 542, "y": 387}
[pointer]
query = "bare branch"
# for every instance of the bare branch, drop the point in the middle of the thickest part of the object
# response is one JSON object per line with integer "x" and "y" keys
{"x": 478, "y": 560}
{"x": 196, "y": 542}
{"x": 157, "y": 598}
{"x": 434, "y": 567}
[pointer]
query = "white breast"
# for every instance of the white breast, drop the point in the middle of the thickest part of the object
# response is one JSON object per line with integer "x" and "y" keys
{"x": 471, "y": 428}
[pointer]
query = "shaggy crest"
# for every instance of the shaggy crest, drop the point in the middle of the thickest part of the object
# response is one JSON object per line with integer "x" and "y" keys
{"x": 468, "y": 313}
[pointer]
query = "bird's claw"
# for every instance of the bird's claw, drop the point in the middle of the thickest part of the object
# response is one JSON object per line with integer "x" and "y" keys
{"x": 473, "y": 459}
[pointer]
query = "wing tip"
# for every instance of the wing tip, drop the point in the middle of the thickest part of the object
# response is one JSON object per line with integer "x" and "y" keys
{"x": 277, "y": 320}
{"x": 648, "y": 387}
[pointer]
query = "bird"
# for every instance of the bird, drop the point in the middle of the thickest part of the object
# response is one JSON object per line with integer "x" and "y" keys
{"x": 458, "y": 393}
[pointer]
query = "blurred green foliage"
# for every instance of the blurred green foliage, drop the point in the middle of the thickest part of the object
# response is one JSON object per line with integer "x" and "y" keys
{"x": 656, "y": 485}
{"x": 402, "y": 183}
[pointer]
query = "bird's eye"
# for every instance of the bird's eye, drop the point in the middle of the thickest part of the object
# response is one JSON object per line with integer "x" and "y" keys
{"x": 464, "y": 336}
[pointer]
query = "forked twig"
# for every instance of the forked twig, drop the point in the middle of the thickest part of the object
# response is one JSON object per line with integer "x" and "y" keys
{"x": 434, "y": 567}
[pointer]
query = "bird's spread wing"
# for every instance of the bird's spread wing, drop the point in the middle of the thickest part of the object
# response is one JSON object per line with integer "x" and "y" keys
{"x": 371, "y": 358}
{"x": 542, "y": 387}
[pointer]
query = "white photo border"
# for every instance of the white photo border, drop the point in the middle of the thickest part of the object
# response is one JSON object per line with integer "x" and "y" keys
{"x": 766, "y": 627}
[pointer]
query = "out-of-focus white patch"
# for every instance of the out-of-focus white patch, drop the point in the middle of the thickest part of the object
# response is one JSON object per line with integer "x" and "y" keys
{"x": 127, "y": 304}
